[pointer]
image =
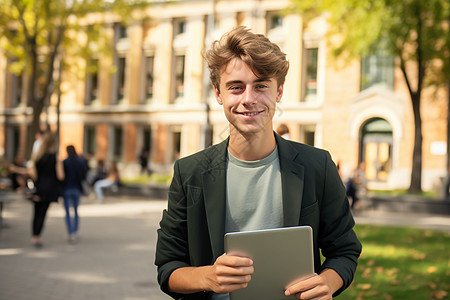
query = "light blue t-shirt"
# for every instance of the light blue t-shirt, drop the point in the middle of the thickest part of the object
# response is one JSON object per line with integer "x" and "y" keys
{"x": 254, "y": 196}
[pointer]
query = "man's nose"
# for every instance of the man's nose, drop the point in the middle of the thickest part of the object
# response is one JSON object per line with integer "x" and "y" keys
{"x": 249, "y": 96}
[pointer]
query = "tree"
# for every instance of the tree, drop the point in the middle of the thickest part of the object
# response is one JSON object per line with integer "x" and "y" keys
{"x": 415, "y": 32}
{"x": 34, "y": 35}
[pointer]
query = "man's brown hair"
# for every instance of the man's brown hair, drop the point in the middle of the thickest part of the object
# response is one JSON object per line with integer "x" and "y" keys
{"x": 262, "y": 56}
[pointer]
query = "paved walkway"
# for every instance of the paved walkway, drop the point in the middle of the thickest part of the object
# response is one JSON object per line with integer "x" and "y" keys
{"x": 112, "y": 260}
{"x": 114, "y": 257}
{"x": 419, "y": 220}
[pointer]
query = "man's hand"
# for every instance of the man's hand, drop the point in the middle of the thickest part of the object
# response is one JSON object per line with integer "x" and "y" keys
{"x": 229, "y": 273}
{"x": 317, "y": 287}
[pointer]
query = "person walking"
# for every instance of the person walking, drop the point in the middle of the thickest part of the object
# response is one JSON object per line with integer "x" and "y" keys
{"x": 75, "y": 172}
{"x": 356, "y": 186}
{"x": 47, "y": 172}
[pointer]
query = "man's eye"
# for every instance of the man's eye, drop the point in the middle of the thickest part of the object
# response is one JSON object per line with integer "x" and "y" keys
{"x": 235, "y": 88}
{"x": 261, "y": 86}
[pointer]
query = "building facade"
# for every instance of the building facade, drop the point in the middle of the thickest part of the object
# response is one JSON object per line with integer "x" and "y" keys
{"x": 159, "y": 99}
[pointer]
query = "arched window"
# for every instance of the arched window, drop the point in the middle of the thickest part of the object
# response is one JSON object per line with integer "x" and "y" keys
{"x": 376, "y": 148}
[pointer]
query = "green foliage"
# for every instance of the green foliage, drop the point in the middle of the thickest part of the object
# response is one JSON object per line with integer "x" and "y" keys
{"x": 158, "y": 179}
{"x": 40, "y": 36}
{"x": 410, "y": 30}
{"x": 415, "y": 32}
{"x": 402, "y": 192}
{"x": 401, "y": 263}
{"x": 33, "y": 27}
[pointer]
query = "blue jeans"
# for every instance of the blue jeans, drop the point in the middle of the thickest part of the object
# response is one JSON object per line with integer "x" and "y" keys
{"x": 72, "y": 200}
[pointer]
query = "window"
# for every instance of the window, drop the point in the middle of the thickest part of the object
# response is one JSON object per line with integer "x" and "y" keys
{"x": 13, "y": 141}
{"x": 92, "y": 81}
{"x": 176, "y": 144}
{"x": 308, "y": 134}
{"x": 376, "y": 148}
{"x": 180, "y": 27}
{"x": 310, "y": 82}
{"x": 89, "y": 141}
{"x": 121, "y": 65}
{"x": 120, "y": 31}
{"x": 117, "y": 143}
{"x": 148, "y": 85}
{"x": 275, "y": 21}
{"x": 377, "y": 69}
{"x": 16, "y": 90}
{"x": 147, "y": 138}
{"x": 179, "y": 76}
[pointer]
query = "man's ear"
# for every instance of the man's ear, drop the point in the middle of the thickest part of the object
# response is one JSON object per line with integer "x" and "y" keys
{"x": 218, "y": 96}
{"x": 280, "y": 92}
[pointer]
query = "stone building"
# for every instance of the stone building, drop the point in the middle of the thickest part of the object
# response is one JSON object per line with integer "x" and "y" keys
{"x": 160, "y": 98}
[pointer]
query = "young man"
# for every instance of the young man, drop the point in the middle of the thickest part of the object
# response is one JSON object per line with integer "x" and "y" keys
{"x": 253, "y": 180}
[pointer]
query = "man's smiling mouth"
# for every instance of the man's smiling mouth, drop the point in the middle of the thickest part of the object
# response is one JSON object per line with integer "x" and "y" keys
{"x": 249, "y": 113}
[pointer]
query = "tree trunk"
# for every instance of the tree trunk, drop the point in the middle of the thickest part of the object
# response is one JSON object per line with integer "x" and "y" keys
{"x": 416, "y": 172}
{"x": 35, "y": 104}
{"x": 448, "y": 129}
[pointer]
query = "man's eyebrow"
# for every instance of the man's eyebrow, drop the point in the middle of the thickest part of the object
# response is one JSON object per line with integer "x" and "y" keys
{"x": 231, "y": 82}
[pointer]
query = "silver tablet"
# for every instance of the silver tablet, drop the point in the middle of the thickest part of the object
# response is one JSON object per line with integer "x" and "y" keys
{"x": 280, "y": 257}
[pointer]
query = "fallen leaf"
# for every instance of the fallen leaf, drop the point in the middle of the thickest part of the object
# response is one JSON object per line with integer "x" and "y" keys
{"x": 367, "y": 273}
{"x": 432, "y": 269}
{"x": 431, "y": 285}
{"x": 439, "y": 294}
{"x": 392, "y": 272}
{"x": 360, "y": 296}
{"x": 364, "y": 286}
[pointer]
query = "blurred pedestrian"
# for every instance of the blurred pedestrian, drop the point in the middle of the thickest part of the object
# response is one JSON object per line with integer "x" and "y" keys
{"x": 447, "y": 185}
{"x": 75, "y": 172}
{"x": 99, "y": 172}
{"x": 283, "y": 131}
{"x": 356, "y": 186}
{"x": 37, "y": 142}
{"x": 111, "y": 180}
{"x": 143, "y": 162}
{"x": 18, "y": 173}
{"x": 47, "y": 172}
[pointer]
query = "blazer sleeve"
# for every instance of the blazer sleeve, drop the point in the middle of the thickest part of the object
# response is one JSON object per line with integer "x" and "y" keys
{"x": 172, "y": 244}
{"x": 338, "y": 241}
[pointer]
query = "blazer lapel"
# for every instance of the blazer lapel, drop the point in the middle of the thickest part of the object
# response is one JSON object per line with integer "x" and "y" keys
{"x": 292, "y": 178}
{"x": 214, "y": 189}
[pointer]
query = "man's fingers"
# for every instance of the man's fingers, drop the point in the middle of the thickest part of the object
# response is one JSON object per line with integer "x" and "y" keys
{"x": 234, "y": 260}
{"x": 233, "y": 271}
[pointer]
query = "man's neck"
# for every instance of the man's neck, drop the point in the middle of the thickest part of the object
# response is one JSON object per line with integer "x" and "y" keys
{"x": 251, "y": 147}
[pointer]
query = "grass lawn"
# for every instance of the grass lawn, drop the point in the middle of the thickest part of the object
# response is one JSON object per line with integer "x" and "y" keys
{"x": 401, "y": 263}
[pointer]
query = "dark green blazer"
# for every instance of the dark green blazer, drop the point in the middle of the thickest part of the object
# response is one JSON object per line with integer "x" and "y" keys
{"x": 193, "y": 226}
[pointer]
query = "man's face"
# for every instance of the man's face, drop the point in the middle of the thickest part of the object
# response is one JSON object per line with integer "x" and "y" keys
{"x": 249, "y": 102}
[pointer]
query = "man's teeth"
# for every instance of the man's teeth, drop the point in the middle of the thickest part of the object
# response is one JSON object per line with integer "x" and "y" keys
{"x": 250, "y": 114}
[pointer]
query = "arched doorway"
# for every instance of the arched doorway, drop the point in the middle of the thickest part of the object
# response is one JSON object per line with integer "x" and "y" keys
{"x": 376, "y": 148}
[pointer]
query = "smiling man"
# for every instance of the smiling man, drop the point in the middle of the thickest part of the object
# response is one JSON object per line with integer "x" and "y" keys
{"x": 253, "y": 180}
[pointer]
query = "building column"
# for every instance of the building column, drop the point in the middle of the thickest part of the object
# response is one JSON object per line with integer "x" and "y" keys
{"x": 130, "y": 143}
{"x": 163, "y": 61}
